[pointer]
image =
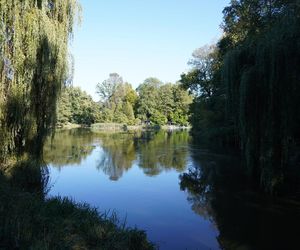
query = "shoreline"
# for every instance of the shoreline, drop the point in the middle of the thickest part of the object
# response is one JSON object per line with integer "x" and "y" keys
{"x": 119, "y": 127}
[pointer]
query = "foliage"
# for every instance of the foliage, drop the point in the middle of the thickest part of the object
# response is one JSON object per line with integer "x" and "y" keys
{"x": 148, "y": 98}
{"x": 107, "y": 88}
{"x": 250, "y": 18}
{"x": 76, "y": 106}
{"x": 33, "y": 64}
{"x": 247, "y": 88}
{"x": 262, "y": 79}
{"x": 117, "y": 100}
{"x": 153, "y": 102}
{"x": 208, "y": 107}
{"x": 162, "y": 103}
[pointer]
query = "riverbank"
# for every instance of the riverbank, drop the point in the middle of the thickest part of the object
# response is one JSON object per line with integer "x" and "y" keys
{"x": 28, "y": 220}
{"x": 119, "y": 127}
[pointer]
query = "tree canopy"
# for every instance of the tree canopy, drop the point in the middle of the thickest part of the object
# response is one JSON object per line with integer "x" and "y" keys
{"x": 76, "y": 106}
{"x": 162, "y": 103}
{"x": 153, "y": 102}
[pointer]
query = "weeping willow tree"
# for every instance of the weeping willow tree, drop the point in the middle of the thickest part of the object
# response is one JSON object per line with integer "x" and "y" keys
{"x": 254, "y": 98}
{"x": 262, "y": 78}
{"x": 34, "y": 37}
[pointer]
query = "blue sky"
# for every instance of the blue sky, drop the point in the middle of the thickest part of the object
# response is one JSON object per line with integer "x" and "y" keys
{"x": 141, "y": 38}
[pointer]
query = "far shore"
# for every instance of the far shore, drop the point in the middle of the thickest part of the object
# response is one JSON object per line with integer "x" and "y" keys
{"x": 118, "y": 127}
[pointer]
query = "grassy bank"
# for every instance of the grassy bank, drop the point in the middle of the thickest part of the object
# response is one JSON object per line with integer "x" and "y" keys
{"x": 30, "y": 221}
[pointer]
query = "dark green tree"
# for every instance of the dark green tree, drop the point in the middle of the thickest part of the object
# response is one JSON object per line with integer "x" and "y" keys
{"x": 261, "y": 75}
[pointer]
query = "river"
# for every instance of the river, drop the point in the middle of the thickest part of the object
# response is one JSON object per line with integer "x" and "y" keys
{"x": 184, "y": 196}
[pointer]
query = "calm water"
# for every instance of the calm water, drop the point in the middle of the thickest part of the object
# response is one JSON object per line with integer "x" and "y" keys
{"x": 183, "y": 196}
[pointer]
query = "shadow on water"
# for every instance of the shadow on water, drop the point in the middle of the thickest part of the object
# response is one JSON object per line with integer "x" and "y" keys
{"x": 218, "y": 189}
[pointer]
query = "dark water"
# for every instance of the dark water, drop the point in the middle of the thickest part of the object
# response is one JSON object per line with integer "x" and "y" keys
{"x": 185, "y": 197}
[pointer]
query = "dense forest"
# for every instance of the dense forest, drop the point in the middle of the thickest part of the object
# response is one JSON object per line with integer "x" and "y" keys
{"x": 153, "y": 102}
{"x": 247, "y": 89}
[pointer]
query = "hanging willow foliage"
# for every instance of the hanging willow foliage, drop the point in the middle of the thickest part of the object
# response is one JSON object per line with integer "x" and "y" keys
{"x": 262, "y": 78}
{"x": 34, "y": 36}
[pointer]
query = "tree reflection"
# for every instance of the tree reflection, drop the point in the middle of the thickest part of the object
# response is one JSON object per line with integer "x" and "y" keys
{"x": 218, "y": 190}
{"x": 162, "y": 151}
{"x": 153, "y": 151}
{"x": 118, "y": 154}
{"x": 69, "y": 147}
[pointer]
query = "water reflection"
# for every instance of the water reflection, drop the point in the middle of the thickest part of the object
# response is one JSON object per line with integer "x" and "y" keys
{"x": 117, "y": 155}
{"x": 218, "y": 190}
{"x": 163, "y": 151}
{"x": 69, "y": 147}
{"x": 153, "y": 151}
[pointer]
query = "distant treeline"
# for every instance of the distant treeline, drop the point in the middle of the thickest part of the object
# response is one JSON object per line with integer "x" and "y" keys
{"x": 152, "y": 102}
{"x": 247, "y": 89}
